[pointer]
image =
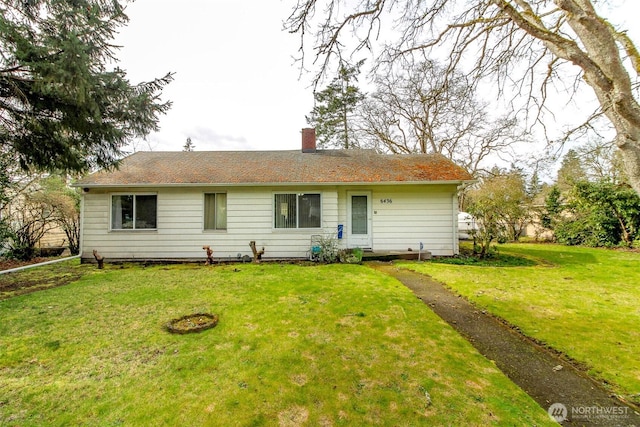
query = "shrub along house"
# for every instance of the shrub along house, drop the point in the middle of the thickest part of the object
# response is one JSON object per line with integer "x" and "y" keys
{"x": 168, "y": 205}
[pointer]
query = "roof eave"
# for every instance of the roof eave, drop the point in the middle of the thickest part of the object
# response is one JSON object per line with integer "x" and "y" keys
{"x": 270, "y": 184}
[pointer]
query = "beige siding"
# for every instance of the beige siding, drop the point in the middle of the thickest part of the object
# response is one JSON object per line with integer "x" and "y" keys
{"x": 416, "y": 215}
{"x": 180, "y": 223}
{"x": 410, "y": 215}
{"x": 404, "y": 216}
{"x": 55, "y": 237}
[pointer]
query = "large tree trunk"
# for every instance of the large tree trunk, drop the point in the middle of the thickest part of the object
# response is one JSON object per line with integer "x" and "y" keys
{"x": 609, "y": 79}
{"x": 600, "y": 60}
{"x": 631, "y": 157}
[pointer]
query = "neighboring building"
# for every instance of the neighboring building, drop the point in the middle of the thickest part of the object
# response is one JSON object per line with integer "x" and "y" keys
{"x": 168, "y": 205}
{"x": 466, "y": 226}
{"x": 27, "y": 212}
{"x": 53, "y": 238}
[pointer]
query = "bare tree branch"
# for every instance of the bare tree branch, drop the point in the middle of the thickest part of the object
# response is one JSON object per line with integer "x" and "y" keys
{"x": 420, "y": 109}
{"x": 524, "y": 47}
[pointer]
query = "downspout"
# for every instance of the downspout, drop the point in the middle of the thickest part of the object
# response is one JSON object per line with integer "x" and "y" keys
{"x": 26, "y": 267}
{"x": 81, "y": 236}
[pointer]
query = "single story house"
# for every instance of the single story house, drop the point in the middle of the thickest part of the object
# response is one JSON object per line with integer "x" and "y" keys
{"x": 168, "y": 205}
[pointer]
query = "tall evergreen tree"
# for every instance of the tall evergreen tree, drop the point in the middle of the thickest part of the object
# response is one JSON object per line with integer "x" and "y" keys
{"x": 571, "y": 171}
{"x": 61, "y": 106}
{"x": 189, "y": 145}
{"x": 334, "y": 105}
{"x": 552, "y": 211}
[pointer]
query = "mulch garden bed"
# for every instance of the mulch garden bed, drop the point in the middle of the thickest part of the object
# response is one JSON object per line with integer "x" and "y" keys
{"x": 191, "y": 323}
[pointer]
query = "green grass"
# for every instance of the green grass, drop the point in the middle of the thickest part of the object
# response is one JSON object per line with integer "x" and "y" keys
{"x": 320, "y": 345}
{"x": 581, "y": 301}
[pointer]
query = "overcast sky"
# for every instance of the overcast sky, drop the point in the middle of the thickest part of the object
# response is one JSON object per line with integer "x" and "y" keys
{"x": 236, "y": 84}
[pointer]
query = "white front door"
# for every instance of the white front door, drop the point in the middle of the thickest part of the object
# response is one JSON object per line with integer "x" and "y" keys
{"x": 359, "y": 220}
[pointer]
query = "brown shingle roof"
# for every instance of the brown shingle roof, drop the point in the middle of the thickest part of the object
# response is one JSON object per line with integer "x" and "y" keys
{"x": 276, "y": 167}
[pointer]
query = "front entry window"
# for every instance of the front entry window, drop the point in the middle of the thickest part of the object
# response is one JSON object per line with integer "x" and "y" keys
{"x": 359, "y": 223}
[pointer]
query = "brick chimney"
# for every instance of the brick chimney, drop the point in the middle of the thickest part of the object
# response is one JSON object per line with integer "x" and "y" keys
{"x": 308, "y": 140}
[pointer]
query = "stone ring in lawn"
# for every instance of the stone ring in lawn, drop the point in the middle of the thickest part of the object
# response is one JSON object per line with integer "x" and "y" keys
{"x": 192, "y": 323}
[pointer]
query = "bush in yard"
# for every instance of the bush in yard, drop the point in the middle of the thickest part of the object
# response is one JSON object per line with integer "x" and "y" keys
{"x": 499, "y": 206}
{"x": 327, "y": 249}
{"x": 587, "y": 229}
{"x": 600, "y": 214}
{"x": 64, "y": 203}
{"x": 40, "y": 206}
{"x": 351, "y": 256}
{"x": 30, "y": 220}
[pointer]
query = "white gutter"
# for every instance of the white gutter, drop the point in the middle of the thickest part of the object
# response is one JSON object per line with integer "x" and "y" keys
{"x": 272, "y": 184}
{"x": 25, "y": 267}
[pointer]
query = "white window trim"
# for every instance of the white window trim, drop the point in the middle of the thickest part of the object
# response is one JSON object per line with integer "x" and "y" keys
{"x": 297, "y": 193}
{"x": 129, "y": 230}
{"x": 213, "y": 230}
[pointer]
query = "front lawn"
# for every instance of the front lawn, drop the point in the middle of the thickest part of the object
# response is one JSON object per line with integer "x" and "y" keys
{"x": 584, "y": 302}
{"x": 319, "y": 345}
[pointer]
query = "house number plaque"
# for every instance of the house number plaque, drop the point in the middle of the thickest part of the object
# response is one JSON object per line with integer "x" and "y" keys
{"x": 386, "y": 201}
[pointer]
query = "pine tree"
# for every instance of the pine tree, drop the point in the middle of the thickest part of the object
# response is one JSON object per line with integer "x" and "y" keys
{"x": 188, "y": 146}
{"x": 61, "y": 107}
{"x": 335, "y": 104}
{"x": 571, "y": 171}
{"x": 552, "y": 208}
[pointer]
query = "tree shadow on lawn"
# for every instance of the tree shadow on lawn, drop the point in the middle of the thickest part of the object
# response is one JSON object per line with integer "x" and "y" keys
{"x": 496, "y": 259}
{"x": 547, "y": 375}
{"x": 524, "y": 255}
{"x": 551, "y": 254}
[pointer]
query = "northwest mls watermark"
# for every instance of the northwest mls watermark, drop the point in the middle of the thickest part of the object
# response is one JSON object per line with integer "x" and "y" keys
{"x": 560, "y": 412}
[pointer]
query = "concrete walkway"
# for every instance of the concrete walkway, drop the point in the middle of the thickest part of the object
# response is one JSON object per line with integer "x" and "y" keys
{"x": 558, "y": 387}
